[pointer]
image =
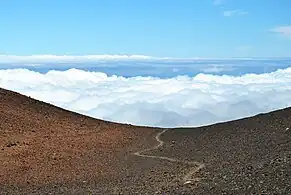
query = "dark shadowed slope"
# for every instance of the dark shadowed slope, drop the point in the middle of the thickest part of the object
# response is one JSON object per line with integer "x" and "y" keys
{"x": 48, "y": 150}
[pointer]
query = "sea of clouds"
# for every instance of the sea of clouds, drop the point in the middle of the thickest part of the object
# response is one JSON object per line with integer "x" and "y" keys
{"x": 201, "y": 99}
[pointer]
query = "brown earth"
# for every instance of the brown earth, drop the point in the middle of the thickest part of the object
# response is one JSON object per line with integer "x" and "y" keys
{"x": 48, "y": 150}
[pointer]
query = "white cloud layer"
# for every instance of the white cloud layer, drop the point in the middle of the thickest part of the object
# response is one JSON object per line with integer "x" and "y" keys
{"x": 180, "y": 101}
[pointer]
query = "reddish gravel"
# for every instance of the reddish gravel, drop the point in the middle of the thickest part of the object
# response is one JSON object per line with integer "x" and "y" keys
{"x": 48, "y": 150}
{"x": 41, "y": 144}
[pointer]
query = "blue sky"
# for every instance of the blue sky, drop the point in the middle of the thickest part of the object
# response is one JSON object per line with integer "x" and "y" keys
{"x": 185, "y": 28}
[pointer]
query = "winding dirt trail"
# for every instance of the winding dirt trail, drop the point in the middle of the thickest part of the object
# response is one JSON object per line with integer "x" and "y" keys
{"x": 188, "y": 177}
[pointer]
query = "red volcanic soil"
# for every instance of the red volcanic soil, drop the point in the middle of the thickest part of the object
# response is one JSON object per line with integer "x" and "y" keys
{"x": 41, "y": 144}
{"x": 48, "y": 150}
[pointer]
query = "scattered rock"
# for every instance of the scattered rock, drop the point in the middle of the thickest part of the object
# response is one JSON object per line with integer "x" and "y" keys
{"x": 11, "y": 144}
{"x": 187, "y": 183}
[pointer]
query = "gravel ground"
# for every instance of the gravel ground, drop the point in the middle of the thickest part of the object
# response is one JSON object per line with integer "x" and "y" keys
{"x": 48, "y": 150}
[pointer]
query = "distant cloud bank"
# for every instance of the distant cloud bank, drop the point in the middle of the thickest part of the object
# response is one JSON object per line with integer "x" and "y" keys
{"x": 39, "y": 59}
{"x": 69, "y": 58}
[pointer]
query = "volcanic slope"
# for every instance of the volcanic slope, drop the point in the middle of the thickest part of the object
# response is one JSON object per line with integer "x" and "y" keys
{"x": 48, "y": 150}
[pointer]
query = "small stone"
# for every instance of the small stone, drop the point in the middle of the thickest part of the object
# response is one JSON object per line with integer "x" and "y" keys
{"x": 187, "y": 182}
{"x": 11, "y": 144}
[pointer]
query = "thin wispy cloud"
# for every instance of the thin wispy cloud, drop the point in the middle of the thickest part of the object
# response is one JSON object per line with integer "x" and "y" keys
{"x": 228, "y": 13}
{"x": 283, "y": 30}
{"x": 218, "y": 2}
{"x": 235, "y": 12}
